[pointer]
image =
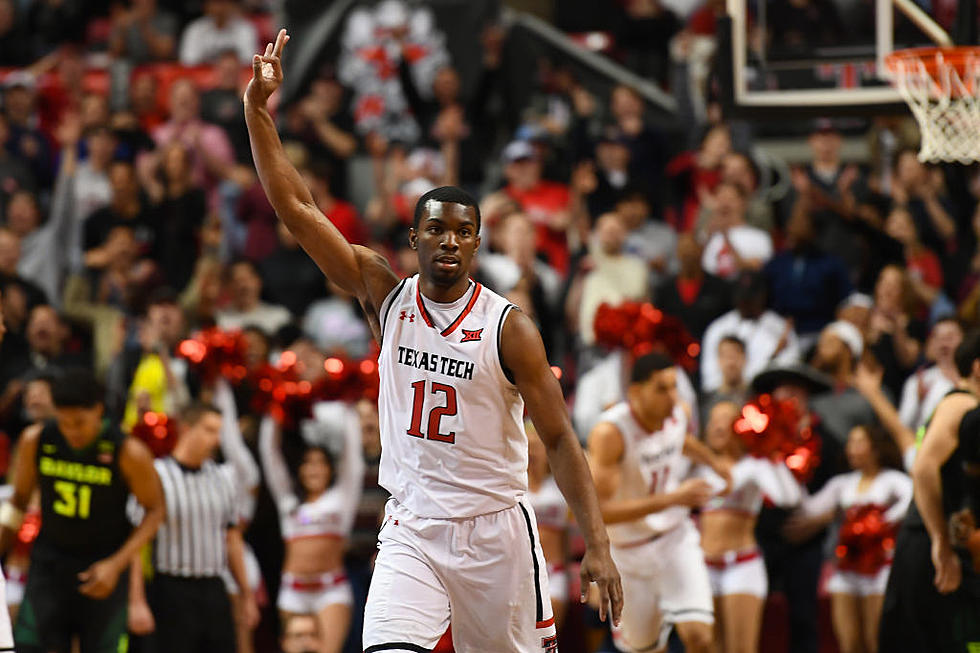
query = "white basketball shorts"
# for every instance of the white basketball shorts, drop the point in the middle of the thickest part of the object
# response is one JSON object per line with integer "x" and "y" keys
{"x": 849, "y": 582}
{"x": 665, "y": 582}
{"x": 486, "y": 573}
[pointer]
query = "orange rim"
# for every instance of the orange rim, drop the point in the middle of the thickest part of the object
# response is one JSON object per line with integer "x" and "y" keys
{"x": 933, "y": 58}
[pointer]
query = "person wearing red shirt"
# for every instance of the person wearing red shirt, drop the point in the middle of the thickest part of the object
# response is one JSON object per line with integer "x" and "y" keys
{"x": 546, "y": 203}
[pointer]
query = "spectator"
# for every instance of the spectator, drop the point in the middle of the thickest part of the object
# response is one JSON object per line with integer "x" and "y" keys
{"x": 805, "y": 283}
{"x": 693, "y": 296}
{"x": 546, "y": 203}
{"x": 892, "y": 327}
{"x": 925, "y": 273}
{"x": 733, "y": 388}
{"x": 211, "y": 152}
{"x": 643, "y": 32}
{"x": 646, "y": 144}
{"x": 221, "y": 28}
{"x": 524, "y": 279}
{"x": 732, "y": 245}
{"x": 128, "y": 208}
{"x": 926, "y": 387}
{"x": 289, "y": 276}
{"x": 650, "y": 238}
{"x": 15, "y": 49}
{"x": 448, "y": 116}
{"x": 9, "y": 269}
{"x": 920, "y": 190}
{"x": 300, "y": 634}
{"x": 612, "y": 158}
{"x": 838, "y": 352}
{"x": 37, "y": 242}
{"x": 830, "y": 190}
{"x": 697, "y": 173}
{"x": 178, "y": 211}
{"x": 615, "y": 277}
{"x": 247, "y": 308}
{"x": 14, "y": 173}
{"x": 222, "y": 105}
{"x": 769, "y": 338}
{"x": 82, "y": 187}
{"x": 738, "y": 168}
{"x": 342, "y": 214}
{"x": 24, "y": 139}
{"x": 142, "y": 32}
{"x": 336, "y": 324}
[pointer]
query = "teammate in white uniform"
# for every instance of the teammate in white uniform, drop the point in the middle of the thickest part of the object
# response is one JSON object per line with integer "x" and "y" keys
{"x": 457, "y": 365}
{"x": 638, "y": 451}
{"x": 856, "y": 598}
{"x": 735, "y": 565}
{"x": 551, "y": 512}
{"x": 315, "y": 529}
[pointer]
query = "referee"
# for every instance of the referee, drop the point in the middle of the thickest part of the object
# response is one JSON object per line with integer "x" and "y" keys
{"x": 188, "y": 605}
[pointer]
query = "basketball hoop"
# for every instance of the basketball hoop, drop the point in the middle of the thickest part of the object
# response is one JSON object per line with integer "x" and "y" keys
{"x": 942, "y": 87}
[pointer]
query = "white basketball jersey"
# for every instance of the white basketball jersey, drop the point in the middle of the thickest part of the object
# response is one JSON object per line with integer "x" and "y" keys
{"x": 452, "y": 431}
{"x": 652, "y": 463}
{"x": 549, "y": 505}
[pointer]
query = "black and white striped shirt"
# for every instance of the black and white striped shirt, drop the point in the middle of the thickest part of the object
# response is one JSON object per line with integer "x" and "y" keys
{"x": 201, "y": 506}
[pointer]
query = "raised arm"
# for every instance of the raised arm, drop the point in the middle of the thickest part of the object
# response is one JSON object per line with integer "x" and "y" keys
{"x": 523, "y": 354}
{"x": 277, "y": 477}
{"x": 350, "y": 476}
{"x": 233, "y": 446}
{"x": 358, "y": 270}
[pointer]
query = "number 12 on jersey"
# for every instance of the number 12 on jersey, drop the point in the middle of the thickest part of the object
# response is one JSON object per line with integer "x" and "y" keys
{"x": 435, "y": 414}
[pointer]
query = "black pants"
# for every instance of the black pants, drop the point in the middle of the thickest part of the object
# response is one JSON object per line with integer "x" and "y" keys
{"x": 193, "y": 615}
{"x": 53, "y": 611}
{"x": 915, "y": 618}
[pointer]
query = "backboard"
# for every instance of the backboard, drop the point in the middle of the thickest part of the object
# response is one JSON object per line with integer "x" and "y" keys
{"x": 807, "y": 58}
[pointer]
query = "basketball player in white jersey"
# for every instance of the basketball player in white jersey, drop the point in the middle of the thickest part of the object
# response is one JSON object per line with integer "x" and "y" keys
{"x": 6, "y": 632}
{"x": 637, "y": 452}
{"x": 457, "y": 365}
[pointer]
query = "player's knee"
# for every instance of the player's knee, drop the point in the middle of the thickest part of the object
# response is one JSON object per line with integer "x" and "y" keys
{"x": 697, "y": 637}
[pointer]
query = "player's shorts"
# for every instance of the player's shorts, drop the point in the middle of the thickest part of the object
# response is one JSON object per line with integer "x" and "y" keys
{"x": 53, "y": 611}
{"x": 848, "y": 582}
{"x": 487, "y": 572}
{"x": 558, "y": 582}
{"x": 665, "y": 582}
{"x": 310, "y": 594}
{"x": 738, "y": 572}
{"x": 252, "y": 570}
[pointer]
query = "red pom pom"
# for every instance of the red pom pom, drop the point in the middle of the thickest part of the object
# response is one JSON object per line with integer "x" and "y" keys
{"x": 215, "y": 353}
{"x": 770, "y": 428}
{"x": 866, "y": 540}
{"x": 642, "y": 328}
{"x": 157, "y": 431}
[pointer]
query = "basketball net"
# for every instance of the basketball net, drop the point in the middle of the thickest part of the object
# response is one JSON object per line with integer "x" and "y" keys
{"x": 941, "y": 87}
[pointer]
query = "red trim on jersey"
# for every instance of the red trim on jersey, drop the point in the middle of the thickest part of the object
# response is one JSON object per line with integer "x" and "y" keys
{"x": 425, "y": 313}
{"x": 466, "y": 311}
{"x": 547, "y": 623}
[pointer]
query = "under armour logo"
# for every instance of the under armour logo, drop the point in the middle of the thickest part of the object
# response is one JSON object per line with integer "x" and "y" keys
{"x": 470, "y": 336}
{"x": 405, "y": 316}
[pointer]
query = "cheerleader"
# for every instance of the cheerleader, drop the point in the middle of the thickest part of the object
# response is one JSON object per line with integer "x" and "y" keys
{"x": 316, "y": 521}
{"x": 857, "y": 586}
{"x": 551, "y": 512}
{"x": 735, "y": 565}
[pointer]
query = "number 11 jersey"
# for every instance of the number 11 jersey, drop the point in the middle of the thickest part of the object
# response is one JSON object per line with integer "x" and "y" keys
{"x": 452, "y": 432}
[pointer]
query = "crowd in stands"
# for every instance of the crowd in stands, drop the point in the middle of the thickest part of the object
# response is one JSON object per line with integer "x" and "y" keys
{"x": 131, "y": 217}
